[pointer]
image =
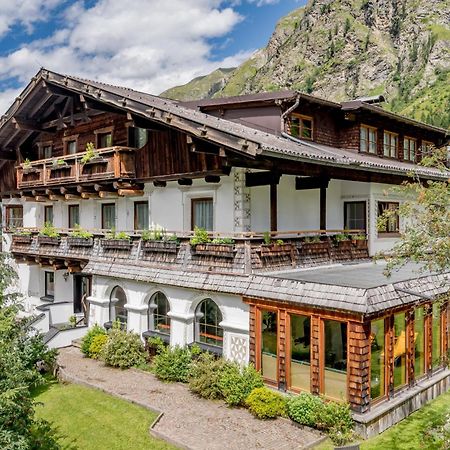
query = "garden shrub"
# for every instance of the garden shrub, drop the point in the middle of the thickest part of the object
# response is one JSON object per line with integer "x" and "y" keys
{"x": 334, "y": 415}
{"x": 173, "y": 364}
{"x": 205, "y": 376}
{"x": 264, "y": 403}
{"x": 237, "y": 383}
{"x": 304, "y": 408}
{"x": 89, "y": 336}
{"x": 97, "y": 345}
{"x": 123, "y": 349}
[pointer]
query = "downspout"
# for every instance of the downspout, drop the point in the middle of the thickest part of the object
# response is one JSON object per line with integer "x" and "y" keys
{"x": 288, "y": 111}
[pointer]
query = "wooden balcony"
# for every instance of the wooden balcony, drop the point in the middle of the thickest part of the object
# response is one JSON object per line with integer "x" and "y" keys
{"x": 110, "y": 164}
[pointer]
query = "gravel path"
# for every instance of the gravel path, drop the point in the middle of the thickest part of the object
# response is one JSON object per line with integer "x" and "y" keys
{"x": 187, "y": 421}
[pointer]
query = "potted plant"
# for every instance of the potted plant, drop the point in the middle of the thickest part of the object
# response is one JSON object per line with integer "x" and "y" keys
{"x": 91, "y": 155}
{"x": 22, "y": 237}
{"x": 48, "y": 235}
{"x": 274, "y": 248}
{"x": 156, "y": 240}
{"x": 80, "y": 238}
{"x": 116, "y": 241}
{"x": 359, "y": 241}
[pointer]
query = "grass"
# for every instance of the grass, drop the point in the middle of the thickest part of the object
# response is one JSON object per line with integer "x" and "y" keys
{"x": 414, "y": 432}
{"x": 87, "y": 418}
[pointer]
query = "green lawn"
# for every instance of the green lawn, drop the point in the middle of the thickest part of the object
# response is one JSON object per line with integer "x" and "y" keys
{"x": 90, "y": 419}
{"x": 414, "y": 432}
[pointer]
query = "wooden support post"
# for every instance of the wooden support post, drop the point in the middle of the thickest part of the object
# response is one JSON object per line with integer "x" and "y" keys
{"x": 273, "y": 207}
{"x": 323, "y": 208}
{"x": 315, "y": 354}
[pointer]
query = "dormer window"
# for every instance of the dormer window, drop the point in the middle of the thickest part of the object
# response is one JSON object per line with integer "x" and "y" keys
{"x": 104, "y": 137}
{"x": 409, "y": 149}
{"x": 368, "y": 139}
{"x": 390, "y": 147}
{"x": 301, "y": 126}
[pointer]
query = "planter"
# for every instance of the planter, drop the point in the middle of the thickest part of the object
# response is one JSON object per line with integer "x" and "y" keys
{"x": 80, "y": 242}
{"x": 218, "y": 250}
{"x": 360, "y": 243}
{"x": 311, "y": 248}
{"x": 59, "y": 167}
{"x": 116, "y": 244}
{"x": 21, "y": 239}
{"x": 46, "y": 240}
{"x": 268, "y": 250}
{"x": 97, "y": 160}
{"x": 344, "y": 245}
{"x": 30, "y": 170}
{"x": 160, "y": 246}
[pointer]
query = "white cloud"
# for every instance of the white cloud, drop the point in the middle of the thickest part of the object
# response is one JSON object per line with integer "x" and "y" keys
{"x": 149, "y": 45}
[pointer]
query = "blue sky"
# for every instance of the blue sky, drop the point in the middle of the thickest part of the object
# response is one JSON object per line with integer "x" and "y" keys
{"x": 148, "y": 45}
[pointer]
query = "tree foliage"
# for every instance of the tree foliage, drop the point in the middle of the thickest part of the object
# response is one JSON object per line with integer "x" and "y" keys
{"x": 425, "y": 210}
{"x": 20, "y": 351}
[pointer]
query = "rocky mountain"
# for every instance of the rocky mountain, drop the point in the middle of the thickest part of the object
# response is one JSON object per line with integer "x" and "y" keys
{"x": 343, "y": 49}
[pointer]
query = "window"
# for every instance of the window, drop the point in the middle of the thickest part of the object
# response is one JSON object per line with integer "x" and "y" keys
{"x": 409, "y": 149}
{"x": 141, "y": 215}
{"x": 390, "y": 145}
{"x": 108, "y": 216}
{"x": 117, "y": 302}
{"x": 207, "y": 323}
{"x": 377, "y": 359}
{"x": 74, "y": 215}
{"x": 355, "y": 215}
{"x": 49, "y": 284}
{"x": 436, "y": 336}
{"x": 202, "y": 213}
{"x": 368, "y": 139}
{"x": 71, "y": 148}
{"x": 392, "y": 223}
{"x": 48, "y": 214}
{"x": 158, "y": 309}
{"x": 137, "y": 137}
{"x": 104, "y": 140}
{"x": 419, "y": 342}
{"x": 301, "y": 126}
{"x": 335, "y": 355}
{"x": 399, "y": 350}
{"x": 13, "y": 216}
{"x": 47, "y": 151}
{"x": 426, "y": 149}
{"x": 269, "y": 345}
{"x": 300, "y": 352}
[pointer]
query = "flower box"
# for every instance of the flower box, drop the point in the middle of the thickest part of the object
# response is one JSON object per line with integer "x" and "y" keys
{"x": 268, "y": 250}
{"x": 21, "y": 239}
{"x": 29, "y": 170}
{"x": 60, "y": 167}
{"x": 80, "y": 242}
{"x": 47, "y": 240}
{"x": 96, "y": 160}
{"x": 344, "y": 245}
{"x": 116, "y": 244}
{"x": 312, "y": 248}
{"x": 360, "y": 243}
{"x": 160, "y": 246}
{"x": 211, "y": 249}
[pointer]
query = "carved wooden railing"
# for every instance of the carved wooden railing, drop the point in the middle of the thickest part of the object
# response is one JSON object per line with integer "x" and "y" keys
{"x": 109, "y": 163}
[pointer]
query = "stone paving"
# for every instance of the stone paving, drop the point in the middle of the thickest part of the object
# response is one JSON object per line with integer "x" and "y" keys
{"x": 187, "y": 421}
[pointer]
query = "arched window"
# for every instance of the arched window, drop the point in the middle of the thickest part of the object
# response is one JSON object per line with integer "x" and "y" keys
{"x": 158, "y": 307}
{"x": 117, "y": 302}
{"x": 207, "y": 320}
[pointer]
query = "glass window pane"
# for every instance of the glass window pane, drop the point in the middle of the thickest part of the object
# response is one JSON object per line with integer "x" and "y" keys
{"x": 202, "y": 213}
{"x": 108, "y": 216}
{"x": 49, "y": 284}
{"x": 377, "y": 359}
{"x": 399, "y": 350}
{"x": 300, "y": 352}
{"x": 269, "y": 345}
{"x": 117, "y": 310}
{"x": 47, "y": 151}
{"x": 158, "y": 310}
{"x": 436, "y": 336}
{"x": 419, "y": 342}
{"x": 105, "y": 140}
{"x": 71, "y": 147}
{"x": 335, "y": 359}
{"x": 355, "y": 216}
{"x": 208, "y": 318}
{"x": 48, "y": 215}
{"x": 141, "y": 216}
{"x": 74, "y": 216}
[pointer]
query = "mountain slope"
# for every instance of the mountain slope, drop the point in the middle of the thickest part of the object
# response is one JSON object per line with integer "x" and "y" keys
{"x": 342, "y": 49}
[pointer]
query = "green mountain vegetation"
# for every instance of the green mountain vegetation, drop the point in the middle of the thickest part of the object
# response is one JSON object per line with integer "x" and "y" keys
{"x": 343, "y": 49}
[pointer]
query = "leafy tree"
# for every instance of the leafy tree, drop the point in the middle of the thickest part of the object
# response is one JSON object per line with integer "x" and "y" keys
{"x": 426, "y": 211}
{"x": 20, "y": 351}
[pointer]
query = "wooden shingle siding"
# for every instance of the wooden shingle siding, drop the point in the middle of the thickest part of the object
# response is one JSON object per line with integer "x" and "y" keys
{"x": 410, "y": 347}
{"x": 315, "y": 354}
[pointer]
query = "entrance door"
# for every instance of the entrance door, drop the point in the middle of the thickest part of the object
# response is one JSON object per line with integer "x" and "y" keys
{"x": 81, "y": 290}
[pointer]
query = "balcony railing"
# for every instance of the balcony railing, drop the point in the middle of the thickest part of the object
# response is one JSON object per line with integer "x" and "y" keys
{"x": 109, "y": 163}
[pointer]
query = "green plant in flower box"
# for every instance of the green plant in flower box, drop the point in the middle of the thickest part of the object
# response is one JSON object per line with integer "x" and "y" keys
{"x": 200, "y": 236}
{"x": 49, "y": 230}
{"x": 81, "y": 233}
{"x": 90, "y": 153}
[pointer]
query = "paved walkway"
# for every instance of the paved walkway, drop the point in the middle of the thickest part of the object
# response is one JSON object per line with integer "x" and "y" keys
{"x": 187, "y": 421}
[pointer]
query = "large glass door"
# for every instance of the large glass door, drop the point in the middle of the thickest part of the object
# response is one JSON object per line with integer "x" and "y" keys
{"x": 269, "y": 338}
{"x": 300, "y": 352}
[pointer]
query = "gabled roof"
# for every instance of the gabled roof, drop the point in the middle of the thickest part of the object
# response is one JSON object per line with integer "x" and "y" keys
{"x": 229, "y": 135}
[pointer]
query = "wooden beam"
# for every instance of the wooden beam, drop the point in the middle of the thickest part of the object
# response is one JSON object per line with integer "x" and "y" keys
{"x": 212, "y": 179}
{"x": 88, "y": 195}
{"x": 26, "y": 124}
{"x": 323, "y": 208}
{"x": 72, "y": 197}
{"x": 125, "y": 185}
{"x": 305, "y": 183}
{"x": 56, "y": 197}
{"x": 261, "y": 179}
{"x": 130, "y": 192}
{"x": 41, "y": 198}
{"x": 273, "y": 207}
{"x": 107, "y": 194}
{"x": 159, "y": 183}
{"x": 185, "y": 181}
